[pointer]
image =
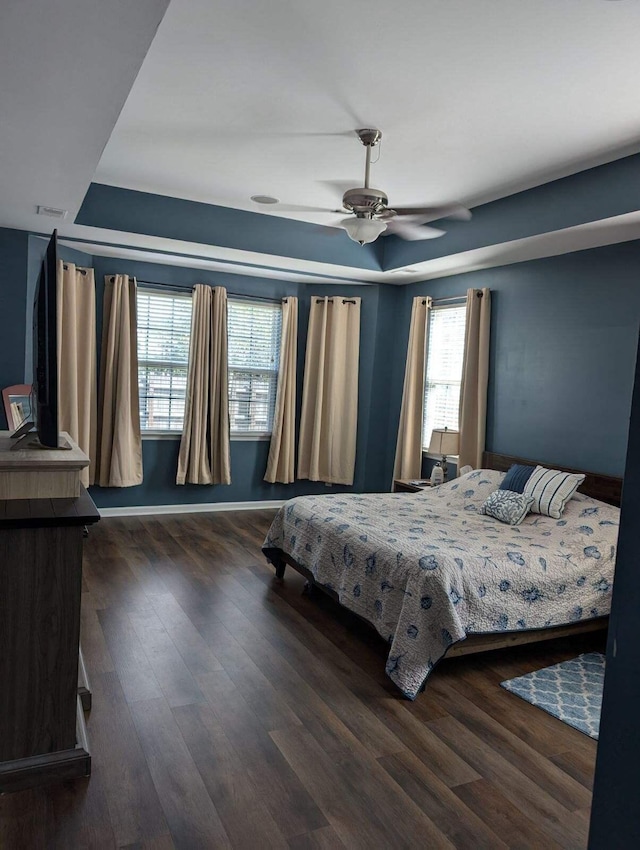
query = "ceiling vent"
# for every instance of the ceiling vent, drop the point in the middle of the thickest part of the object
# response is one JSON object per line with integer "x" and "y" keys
{"x": 52, "y": 212}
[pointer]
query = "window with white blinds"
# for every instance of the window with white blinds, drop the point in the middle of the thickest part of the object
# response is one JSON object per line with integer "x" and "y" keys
{"x": 444, "y": 369}
{"x": 254, "y": 330}
{"x": 164, "y": 329}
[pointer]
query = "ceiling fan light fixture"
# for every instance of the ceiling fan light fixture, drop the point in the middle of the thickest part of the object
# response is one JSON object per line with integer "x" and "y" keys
{"x": 363, "y": 230}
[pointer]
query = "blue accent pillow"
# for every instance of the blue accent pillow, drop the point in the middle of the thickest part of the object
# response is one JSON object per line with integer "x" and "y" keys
{"x": 507, "y": 506}
{"x": 517, "y": 477}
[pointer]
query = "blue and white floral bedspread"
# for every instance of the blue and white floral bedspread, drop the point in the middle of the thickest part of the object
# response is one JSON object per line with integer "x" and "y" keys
{"x": 427, "y": 569}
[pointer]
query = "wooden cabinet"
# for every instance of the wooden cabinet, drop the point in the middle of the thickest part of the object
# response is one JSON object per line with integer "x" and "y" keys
{"x": 42, "y": 735}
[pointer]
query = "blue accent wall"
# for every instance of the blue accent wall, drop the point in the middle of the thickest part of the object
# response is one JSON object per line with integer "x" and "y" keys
{"x": 564, "y": 331}
{"x": 615, "y": 815}
{"x": 563, "y": 340}
{"x": 175, "y": 218}
{"x": 249, "y": 457}
{"x": 597, "y": 193}
{"x": 13, "y": 290}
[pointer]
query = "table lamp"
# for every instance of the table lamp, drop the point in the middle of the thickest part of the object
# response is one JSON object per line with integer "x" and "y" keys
{"x": 444, "y": 442}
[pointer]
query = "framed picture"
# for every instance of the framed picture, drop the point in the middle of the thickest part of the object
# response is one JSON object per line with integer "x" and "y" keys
{"x": 17, "y": 405}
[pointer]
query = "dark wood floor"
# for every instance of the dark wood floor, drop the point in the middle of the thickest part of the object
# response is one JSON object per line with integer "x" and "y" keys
{"x": 232, "y": 711}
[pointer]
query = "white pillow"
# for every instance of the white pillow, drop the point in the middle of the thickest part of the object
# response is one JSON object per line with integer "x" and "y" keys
{"x": 551, "y": 489}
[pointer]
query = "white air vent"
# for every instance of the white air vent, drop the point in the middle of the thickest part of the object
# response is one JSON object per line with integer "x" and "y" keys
{"x": 52, "y": 212}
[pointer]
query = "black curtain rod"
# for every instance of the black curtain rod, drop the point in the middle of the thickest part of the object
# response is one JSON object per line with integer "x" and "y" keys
{"x": 168, "y": 287}
{"x": 82, "y": 271}
{"x": 436, "y": 301}
{"x": 344, "y": 300}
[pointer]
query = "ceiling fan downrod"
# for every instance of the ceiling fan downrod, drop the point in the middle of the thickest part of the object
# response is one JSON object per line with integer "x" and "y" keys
{"x": 369, "y": 139}
{"x": 364, "y": 201}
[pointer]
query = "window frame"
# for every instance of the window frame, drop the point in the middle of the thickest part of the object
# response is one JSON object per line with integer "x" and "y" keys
{"x": 275, "y": 305}
{"x": 240, "y": 436}
{"x": 460, "y": 305}
{"x": 168, "y": 292}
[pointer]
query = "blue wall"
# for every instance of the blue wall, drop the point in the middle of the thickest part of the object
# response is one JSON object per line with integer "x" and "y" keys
{"x": 249, "y": 457}
{"x": 564, "y": 331}
{"x": 563, "y": 340}
{"x": 591, "y": 195}
{"x": 13, "y": 278}
{"x": 207, "y": 224}
{"x": 615, "y": 816}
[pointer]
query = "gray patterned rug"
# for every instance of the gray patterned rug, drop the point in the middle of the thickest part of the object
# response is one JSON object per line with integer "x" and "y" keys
{"x": 570, "y": 691}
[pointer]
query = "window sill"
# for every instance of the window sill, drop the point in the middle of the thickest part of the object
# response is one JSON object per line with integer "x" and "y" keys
{"x": 174, "y": 435}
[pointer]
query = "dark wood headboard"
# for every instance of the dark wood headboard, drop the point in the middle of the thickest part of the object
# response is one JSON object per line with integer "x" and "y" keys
{"x": 606, "y": 488}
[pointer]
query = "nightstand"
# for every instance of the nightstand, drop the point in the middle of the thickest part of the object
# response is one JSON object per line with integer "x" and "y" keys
{"x": 404, "y": 485}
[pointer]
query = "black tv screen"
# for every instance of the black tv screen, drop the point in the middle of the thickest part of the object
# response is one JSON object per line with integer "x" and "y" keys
{"x": 45, "y": 349}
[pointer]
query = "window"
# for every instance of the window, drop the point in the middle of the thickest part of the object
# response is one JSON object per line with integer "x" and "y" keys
{"x": 254, "y": 330}
{"x": 164, "y": 328}
{"x": 444, "y": 369}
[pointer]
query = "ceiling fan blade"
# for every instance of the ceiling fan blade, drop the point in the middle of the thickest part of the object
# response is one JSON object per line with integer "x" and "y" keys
{"x": 412, "y": 232}
{"x": 426, "y": 214}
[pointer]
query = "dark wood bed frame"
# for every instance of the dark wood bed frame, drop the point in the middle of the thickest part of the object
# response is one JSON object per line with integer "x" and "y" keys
{"x": 605, "y": 488}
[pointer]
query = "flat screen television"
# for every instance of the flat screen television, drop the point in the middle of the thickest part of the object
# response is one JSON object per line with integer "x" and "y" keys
{"x": 44, "y": 402}
{"x": 45, "y": 348}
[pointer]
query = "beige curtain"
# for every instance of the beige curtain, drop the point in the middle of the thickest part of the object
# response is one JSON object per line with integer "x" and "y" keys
{"x": 328, "y": 428}
{"x": 408, "y": 463}
{"x": 280, "y": 465}
{"x": 76, "y": 318}
{"x": 475, "y": 378}
{"x": 204, "y": 456}
{"x": 119, "y": 442}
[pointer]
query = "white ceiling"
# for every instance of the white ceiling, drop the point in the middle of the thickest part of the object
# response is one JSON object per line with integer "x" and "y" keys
{"x": 66, "y": 68}
{"x": 476, "y": 98}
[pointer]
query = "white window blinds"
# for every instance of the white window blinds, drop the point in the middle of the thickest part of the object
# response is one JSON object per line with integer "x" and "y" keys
{"x": 164, "y": 328}
{"x": 254, "y": 330}
{"x": 444, "y": 369}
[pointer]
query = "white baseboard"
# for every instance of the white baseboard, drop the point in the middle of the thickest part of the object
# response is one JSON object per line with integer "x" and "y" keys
{"x": 197, "y": 508}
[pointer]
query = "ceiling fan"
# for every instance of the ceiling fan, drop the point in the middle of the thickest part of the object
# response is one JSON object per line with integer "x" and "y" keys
{"x": 372, "y": 215}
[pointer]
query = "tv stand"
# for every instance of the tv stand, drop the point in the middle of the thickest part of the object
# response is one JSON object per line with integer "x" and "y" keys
{"x": 35, "y": 472}
{"x": 42, "y": 732}
{"x": 26, "y": 438}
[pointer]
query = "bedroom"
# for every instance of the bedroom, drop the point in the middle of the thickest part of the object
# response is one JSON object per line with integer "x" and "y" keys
{"x": 554, "y": 236}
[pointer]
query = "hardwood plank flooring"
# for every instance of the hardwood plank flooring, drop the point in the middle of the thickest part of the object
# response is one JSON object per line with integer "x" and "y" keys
{"x": 233, "y": 710}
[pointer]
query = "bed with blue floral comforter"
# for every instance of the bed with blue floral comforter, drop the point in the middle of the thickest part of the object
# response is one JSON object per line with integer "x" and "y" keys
{"x": 427, "y": 569}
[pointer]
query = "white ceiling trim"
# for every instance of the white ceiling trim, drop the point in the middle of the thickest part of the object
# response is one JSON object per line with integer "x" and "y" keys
{"x": 190, "y": 262}
{"x": 623, "y": 228}
{"x": 179, "y": 249}
{"x": 594, "y": 234}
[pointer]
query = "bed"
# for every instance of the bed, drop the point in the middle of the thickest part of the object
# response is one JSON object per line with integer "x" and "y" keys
{"x": 430, "y": 573}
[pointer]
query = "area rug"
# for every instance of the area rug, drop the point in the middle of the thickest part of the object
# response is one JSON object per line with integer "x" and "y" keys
{"x": 570, "y": 691}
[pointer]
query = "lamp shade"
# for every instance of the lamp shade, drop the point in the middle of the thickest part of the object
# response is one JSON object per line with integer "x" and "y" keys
{"x": 444, "y": 442}
{"x": 363, "y": 230}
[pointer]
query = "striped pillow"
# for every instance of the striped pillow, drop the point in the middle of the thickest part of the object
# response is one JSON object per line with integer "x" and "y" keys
{"x": 551, "y": 490}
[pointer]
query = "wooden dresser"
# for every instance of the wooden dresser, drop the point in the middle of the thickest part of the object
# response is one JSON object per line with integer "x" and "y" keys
{"x": 42, "y": 735}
